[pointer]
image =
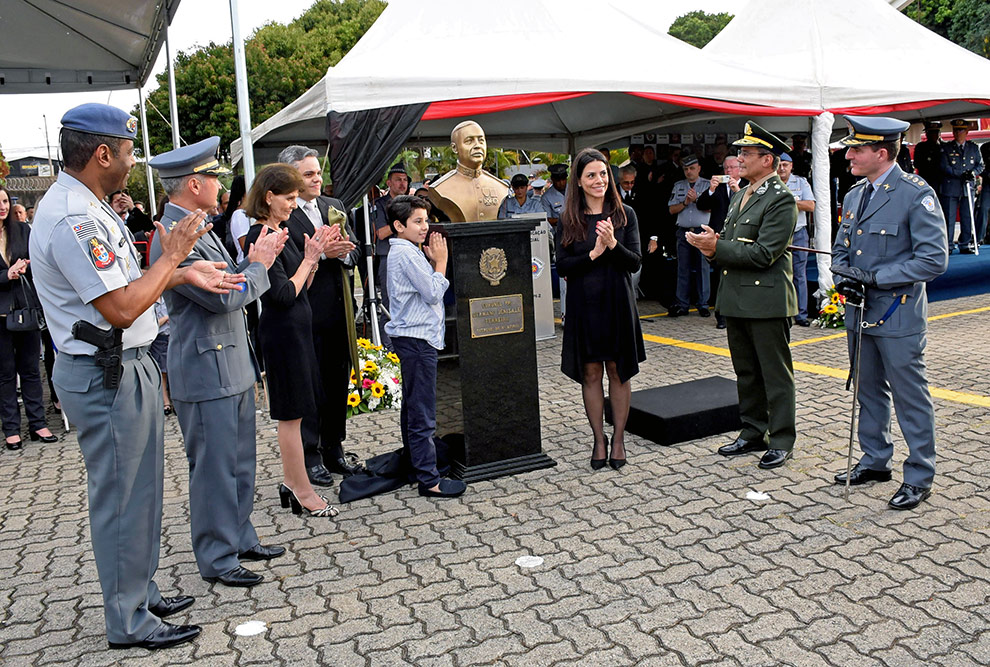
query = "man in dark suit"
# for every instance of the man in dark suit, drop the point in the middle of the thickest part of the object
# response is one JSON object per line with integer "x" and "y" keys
{"x": 212, "y": 375}
{"x": 329, "y": 295}
{"x": 757, "y": 297}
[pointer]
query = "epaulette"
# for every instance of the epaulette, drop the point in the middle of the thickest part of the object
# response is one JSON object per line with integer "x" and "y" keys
{"x": 443, "y": 178}
{"x": 914, "y": 180}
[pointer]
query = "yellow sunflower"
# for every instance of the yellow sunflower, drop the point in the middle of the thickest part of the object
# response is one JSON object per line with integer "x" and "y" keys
{"x": 391, "y": 356}
{"x": 370, "y": 366}
{"x": 354, "y": 399}
{"x": 835, "y": 297}
{"x": 364, "y": 343}
{"x": 377, "y": 390}
{"x": 830, "y": 309}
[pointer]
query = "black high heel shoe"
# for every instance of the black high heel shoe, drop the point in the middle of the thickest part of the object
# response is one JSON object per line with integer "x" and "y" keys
{"x": 14, "y": 446}
{"x": 598, "y": 464}
{"x": 288, "y": 499}
{"x": 35, "y": 437}
{"x": 615, "y": 464}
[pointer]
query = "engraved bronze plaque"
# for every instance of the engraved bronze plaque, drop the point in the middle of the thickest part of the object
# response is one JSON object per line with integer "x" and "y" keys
{"x": 496, "y": 315}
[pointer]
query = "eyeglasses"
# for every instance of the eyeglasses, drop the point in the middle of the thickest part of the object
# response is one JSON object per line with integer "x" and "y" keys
{"x": 745, "y": 154}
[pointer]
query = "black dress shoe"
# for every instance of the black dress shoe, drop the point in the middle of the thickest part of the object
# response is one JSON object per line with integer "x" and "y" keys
{"x": 319, "y": 475}
{"x": 261, "y": 552}
{"x": 449, "y": 488}
{"x": 719, "y": 321}
{"x": 343, "y": 467}
{"x": 164, "y": 636}
{"x": 169, "y": 606}
{"x": 860, "y": 475}
{"x": 239, "y": 577}
{"x": 35, "y": 437}
{"x": 803, "y": 323}
{"x": 908, "y": 497}
{"x": 14, "y": 446}
{"x": 676, "y": 311}
{"x": 774, "y": 458}
{"x": 704, "y": 311}
{"x": 740, "y": 446}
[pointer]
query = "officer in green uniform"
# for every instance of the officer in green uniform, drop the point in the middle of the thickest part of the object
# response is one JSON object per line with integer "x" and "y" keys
{"x": 99, "y": 310}
{"x": 757, "y": 297}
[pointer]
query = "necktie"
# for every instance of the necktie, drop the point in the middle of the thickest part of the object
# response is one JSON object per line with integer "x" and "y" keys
{"x": 865, "y": 201}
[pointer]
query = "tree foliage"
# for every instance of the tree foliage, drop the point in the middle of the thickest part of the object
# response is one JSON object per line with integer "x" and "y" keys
{"x": 698, "y": 28}
{"x": 283, "y": 61}
{"x": 965, "y": 22}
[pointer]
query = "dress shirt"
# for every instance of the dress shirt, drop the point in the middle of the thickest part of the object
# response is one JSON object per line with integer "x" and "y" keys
{"x": 415, "y": 293}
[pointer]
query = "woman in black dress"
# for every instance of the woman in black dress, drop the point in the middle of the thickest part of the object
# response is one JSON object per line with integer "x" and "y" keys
{"x": 598, "y": 250}
{"x": 285, "y": 331}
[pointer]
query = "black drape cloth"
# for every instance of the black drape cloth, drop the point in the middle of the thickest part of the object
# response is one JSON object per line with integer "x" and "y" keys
{"x": 364, "y": 143}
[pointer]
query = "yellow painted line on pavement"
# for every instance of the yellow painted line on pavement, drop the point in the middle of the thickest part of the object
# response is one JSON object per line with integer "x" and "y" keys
{"x": 958, "y": 313}
{"x": 818, "y": 369}
{"x": 819, "y": 339}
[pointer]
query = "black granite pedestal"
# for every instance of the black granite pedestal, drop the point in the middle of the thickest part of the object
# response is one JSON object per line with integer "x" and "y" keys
{"x": 488, "y": 403}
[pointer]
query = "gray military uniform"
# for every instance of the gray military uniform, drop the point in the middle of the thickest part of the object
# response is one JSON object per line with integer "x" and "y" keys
{"x": 211, "y": 377}
{"x": 80, "y": 250}
{"x": 901, "y": 236}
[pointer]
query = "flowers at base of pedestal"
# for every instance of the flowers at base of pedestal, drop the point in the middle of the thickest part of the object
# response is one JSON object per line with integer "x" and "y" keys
{"x": 377, "y": 384}
{"x": 832, "y": 314}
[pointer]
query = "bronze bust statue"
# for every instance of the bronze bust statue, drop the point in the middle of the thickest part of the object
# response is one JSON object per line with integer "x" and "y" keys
{"x": 468, "y": 193}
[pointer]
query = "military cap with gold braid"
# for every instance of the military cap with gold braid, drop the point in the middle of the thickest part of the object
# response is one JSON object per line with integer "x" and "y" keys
{"x": 197, "y": 158}
{"x": 869, "y": 130}
{"x": 754, "y": 135}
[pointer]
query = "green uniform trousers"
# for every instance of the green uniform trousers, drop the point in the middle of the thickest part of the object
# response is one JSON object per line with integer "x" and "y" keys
{"x": 764, "y": 379}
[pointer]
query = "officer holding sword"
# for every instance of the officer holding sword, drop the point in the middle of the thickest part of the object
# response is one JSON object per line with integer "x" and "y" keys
{"x": 891, "y": 241}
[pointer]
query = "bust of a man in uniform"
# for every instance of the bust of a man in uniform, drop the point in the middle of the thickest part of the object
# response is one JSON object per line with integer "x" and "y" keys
{"x": 468, "y": 193}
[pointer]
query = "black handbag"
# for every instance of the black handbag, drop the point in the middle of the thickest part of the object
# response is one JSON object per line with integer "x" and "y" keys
{"x": 29, "y": 317}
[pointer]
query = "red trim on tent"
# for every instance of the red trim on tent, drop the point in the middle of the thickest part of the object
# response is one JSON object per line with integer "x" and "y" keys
{"x": 727, "y": 107}
{"x": 905, "y": 106}
{"x": 480, "y": 105}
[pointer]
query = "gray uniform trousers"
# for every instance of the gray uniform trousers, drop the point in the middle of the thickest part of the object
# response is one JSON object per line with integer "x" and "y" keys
{"x": 896, "y": 366}
{"x": 220, "y": 441}
{"x": 122, "y": 441}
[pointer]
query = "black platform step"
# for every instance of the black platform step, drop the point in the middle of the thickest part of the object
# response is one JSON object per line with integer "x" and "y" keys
{"x": 681, "y": 412}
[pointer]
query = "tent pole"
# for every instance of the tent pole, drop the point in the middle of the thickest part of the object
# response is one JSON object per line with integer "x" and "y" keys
{"x": 172, "y": 103}
{"x": 152, "y": 203}
{"x": 820, "y": 135}
{"x": 243, "y": 109}
{"x": 369, "y": 255}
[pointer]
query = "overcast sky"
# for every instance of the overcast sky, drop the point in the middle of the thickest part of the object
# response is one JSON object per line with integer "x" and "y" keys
{"x": 197, "y": 23}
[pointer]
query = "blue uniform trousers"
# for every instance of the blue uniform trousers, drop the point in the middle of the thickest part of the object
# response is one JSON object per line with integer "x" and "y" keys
{"x": 418, "y": 417}
{"x": 220, "y": 441}
{"x": 692, "y": 273}
{"x": 799, "y": 260}
{"x": 896, "y": 366}
{"x": 121, "y": 436}
{"x": 960, "y": 205}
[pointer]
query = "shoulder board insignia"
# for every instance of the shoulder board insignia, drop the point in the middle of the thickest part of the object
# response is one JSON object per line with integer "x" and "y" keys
{"x": 172, "y": 224}
{"x": 920, "y": 182}
{"x": 886, "y": 186}
{"x": 763, "y": 188}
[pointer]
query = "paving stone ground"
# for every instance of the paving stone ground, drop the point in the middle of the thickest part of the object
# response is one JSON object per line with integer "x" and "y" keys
{"x": 662, "y": 563}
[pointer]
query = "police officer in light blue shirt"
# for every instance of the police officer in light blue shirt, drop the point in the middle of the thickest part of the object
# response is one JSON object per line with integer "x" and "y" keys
{"x": 891, "y": 241}
{"x": 521, "y": 201}
{"x": 89, "y": 280}
{"x": 805, "y": 199}
{"x": 552, "y": 201}
{"x": 693, "y": 283}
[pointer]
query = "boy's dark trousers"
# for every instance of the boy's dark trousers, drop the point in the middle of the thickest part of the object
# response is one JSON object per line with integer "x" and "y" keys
{"x": 418, "y": 419}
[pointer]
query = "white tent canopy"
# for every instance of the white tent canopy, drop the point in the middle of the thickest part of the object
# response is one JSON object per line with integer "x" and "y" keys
{"x": 52, "y": 46}
{"x": 861, "y": 55}
{"x": 652, "y": 62}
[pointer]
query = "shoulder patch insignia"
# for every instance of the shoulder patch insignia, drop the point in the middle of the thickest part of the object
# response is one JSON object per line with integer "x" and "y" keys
{"x": 929, "y": 203}
{"x": 103, "y": 257}
{"x": 86, "y": 229}
{"x": 763, "y": 188}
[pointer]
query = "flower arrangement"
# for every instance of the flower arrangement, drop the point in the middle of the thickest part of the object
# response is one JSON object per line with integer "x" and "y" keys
{"x": 377, "y": 385}
{"x": 833, "y": 312}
